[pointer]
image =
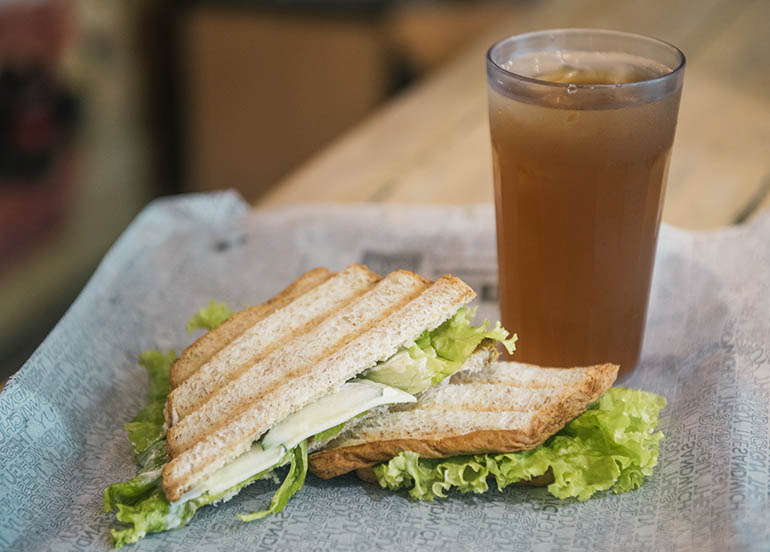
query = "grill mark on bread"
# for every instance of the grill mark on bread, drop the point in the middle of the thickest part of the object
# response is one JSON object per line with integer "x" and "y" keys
{"x": 432, "y": 429}
{"x": 426, "y": 310}
{"x": 524, "y": 375}
{"x": 283, "y": 325}
{"x": 262, "y": 378}
{"x": 482, "y": 397}
{"x": 211, "y": 342}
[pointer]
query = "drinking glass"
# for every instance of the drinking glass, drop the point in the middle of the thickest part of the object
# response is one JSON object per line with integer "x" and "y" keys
{"x": 582, "y": 124}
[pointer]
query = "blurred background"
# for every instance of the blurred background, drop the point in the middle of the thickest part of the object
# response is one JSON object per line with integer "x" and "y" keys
{"x": 106, "y": 104}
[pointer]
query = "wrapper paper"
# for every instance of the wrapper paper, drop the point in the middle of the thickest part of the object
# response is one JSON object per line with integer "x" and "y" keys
{"x": 706, "y": 350}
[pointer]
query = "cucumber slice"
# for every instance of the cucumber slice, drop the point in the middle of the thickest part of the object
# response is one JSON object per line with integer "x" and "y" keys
{"x": 348, "y": 401}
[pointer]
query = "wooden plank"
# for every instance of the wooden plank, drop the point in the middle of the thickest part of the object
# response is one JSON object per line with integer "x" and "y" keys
{"x": 386, "y": 145}
{"x": 720, "y": 158}
{"x": 722, "y": 153}
{"x": 458, "y": 172}
{"x": 432, "y": 144}
{"x": 739, "y": 54}
{"x": 763, "y": 205}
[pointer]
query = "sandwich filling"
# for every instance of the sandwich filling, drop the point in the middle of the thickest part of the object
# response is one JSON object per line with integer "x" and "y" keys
{"x": 437, "y": 354}
{"x": 352, "y": 399}
{"x": 415, "y": 367}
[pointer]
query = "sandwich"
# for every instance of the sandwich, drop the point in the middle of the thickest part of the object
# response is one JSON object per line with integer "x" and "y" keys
{"x": 265, "y": 385}
{"x": 516, "y": 423}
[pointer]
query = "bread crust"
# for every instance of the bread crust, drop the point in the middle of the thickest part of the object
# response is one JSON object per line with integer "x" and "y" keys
{"x": 328, "y": 464}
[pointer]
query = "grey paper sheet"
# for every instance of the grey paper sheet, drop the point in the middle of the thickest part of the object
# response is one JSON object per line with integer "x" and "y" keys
{"x": 706, "y": 350}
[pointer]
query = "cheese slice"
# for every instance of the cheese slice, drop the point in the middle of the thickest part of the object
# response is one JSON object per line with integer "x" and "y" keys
{"x": 350, "y": 400}
{"x": 353, "y": 398}
{"x": 249, "y": 463}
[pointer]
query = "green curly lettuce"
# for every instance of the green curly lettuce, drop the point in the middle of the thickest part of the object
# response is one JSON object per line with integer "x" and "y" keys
{"x": 209, "y": 317}
{"x": 146, "y": 429}
{"x": 132, "y": 491}
{"x": 613, "y": 445}
{"x": 438, "y": 353}
{"x": 291, "y": 484}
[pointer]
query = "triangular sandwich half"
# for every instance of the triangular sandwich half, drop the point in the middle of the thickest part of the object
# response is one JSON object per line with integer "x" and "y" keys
{"x": 504, "y": 407}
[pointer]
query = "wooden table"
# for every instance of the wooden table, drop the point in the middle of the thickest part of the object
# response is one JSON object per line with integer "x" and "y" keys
{"x": 431, "y": 144}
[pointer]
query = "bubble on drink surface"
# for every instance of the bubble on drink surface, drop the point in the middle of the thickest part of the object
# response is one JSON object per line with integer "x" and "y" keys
{"x": 584, "y": 67}
{"x": 571, "y": 88}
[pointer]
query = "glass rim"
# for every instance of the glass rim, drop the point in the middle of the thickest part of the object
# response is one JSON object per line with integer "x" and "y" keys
{"x": 587, "y": 30}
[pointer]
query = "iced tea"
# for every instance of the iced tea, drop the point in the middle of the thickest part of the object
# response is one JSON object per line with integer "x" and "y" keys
{"x": 581, "y": 148}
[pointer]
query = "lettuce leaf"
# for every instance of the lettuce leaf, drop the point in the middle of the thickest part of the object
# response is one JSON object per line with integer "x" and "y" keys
{"x": 146, "y": 428}
{"x": 612, "y": 445}
{"x": 327, "y": 434}
{"x": 209, "y": 317}
{"x": 438, "y": 353}
{"x": 151, "y": 515}
{"x": 131, "y": 491}
{"x": 291, "y": 484}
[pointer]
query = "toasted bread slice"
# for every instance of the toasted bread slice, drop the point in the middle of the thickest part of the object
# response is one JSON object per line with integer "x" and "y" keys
{"x": 394, "y": 312}
{"x": 211, "y": 342}
{"x": 501, "y": 408}
{"x": 266, "y": 335}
